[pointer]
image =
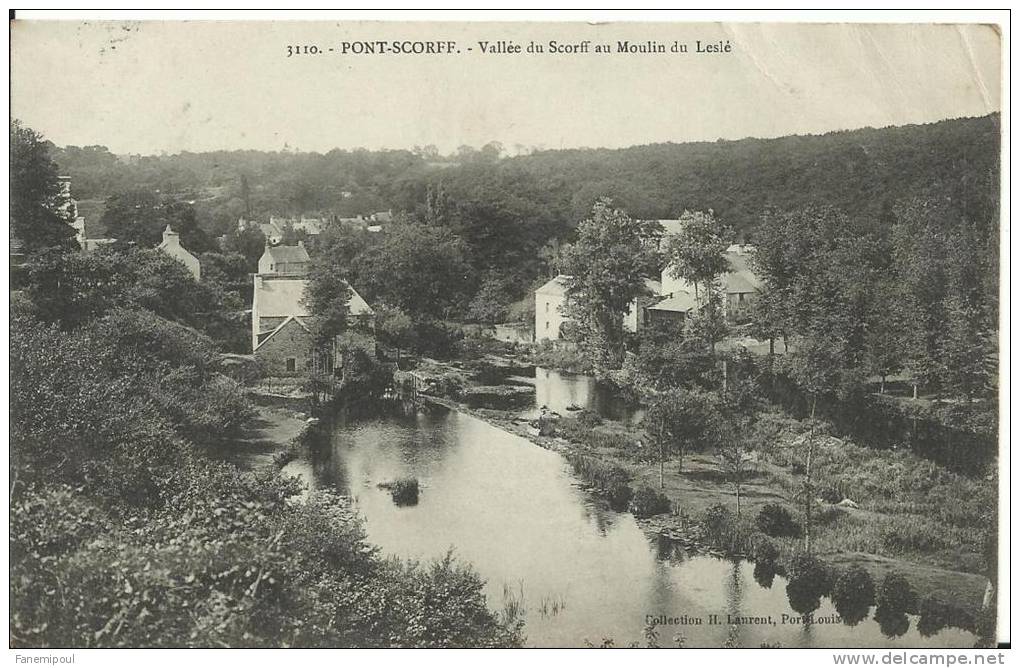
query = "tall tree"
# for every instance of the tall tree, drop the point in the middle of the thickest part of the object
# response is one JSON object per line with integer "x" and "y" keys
{"x": 420, "y": 269}
{"x": 695, "y": 254}
{"x": 140, "y": 216}
{"x": 607, "y": 265}
{"x": 40, "y": 212}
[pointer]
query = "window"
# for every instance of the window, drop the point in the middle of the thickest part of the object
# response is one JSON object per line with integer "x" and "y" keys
{"x": 291, "y": 364}
{"x": 547, "y": 307}
{"x": 547, "y": 324}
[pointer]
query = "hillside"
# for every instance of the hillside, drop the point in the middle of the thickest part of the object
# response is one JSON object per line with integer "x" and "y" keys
{"x": 861, "y": 171}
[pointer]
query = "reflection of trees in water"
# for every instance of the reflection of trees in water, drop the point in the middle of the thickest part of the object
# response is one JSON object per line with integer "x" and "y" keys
{"x": 734, "y": 602}
{"x": 765, "y": 573}
{"x": 892, "y": 623}
{"x": 668, "y": 550}
{"x": 853, "y": 594}
{"x": 804, "y": 594}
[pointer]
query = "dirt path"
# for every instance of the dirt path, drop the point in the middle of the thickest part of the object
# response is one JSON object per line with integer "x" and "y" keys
{"x": 270, "y": 432}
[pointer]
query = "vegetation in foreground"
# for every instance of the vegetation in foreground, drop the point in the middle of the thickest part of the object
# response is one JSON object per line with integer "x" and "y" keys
{"x": 125, "y": 532}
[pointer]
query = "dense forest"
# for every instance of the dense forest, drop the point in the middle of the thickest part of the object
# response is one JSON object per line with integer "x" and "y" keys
{"x": 858, "y": 171}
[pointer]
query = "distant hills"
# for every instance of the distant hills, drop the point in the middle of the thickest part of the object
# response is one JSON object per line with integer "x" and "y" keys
{"x": 861, "y": 171}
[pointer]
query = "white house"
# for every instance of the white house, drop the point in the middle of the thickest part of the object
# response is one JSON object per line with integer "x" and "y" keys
{"x": 172, "y": 246}
{"x": 550, "y": 309}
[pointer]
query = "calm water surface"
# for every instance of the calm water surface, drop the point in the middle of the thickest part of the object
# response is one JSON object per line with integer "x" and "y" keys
{"x": 515, "y": 512}
{"x": 564, "y": 392}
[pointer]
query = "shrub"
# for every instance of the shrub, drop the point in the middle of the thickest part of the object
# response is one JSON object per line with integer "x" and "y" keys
{"x": 906, "y": 537}
{"x": 812, "y": 569}
{"x": 765, "y": 551}
{"x": 775, "y": 520}
{"x": 896, "y": 595}
{"x": 403, "y": 490}
{"x": 716, "y": 522}
{"x": 619, "y": 496}
{"x": 648, "y": 502}
{"x": 831, "y": 495}
{"x": 588, "y": 418}
{"x": 853, "y": 594}
{"x": 602, "y": 476}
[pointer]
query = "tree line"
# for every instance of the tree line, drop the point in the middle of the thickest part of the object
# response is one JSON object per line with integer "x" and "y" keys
{"x": 513, "y": 213}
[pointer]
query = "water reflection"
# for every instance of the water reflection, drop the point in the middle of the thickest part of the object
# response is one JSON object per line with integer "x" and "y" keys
{"x": 515, "y": 512}
{"x": 565, "y": 393}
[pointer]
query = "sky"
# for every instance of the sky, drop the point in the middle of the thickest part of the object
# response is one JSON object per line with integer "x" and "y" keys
{"x": 166, "y": 87}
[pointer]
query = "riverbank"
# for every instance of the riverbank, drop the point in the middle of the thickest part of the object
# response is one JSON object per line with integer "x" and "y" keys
{"x": 844, "y": 536}
{"x": 269, "y": 433}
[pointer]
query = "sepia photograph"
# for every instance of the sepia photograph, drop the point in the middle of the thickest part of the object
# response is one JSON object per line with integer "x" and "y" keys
{"x": 343, "y": 333}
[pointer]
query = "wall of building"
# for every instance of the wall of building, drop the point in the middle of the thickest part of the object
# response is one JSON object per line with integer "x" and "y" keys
{"x": 549, "y": 316}
{"x": 291, "y": 342}
{"x": 181, "y": 254}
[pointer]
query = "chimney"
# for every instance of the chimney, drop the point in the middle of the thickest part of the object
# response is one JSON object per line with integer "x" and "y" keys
{"x": 301, "y": 244}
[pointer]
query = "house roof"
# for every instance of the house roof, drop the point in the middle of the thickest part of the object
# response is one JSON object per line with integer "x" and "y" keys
{"x": 556, "y": 286}
{"x": 669, "y": 225}
{"x": 276, "y": 297}
{"x": 270, "y": 230}
{"x": 357, "y": 305}
{"x": 279, "y": 297}
{"x": 678, "y": 302}
{"x": 309, "y": 225}
{"x": 740, "y": 278}
{"x": 288, "y": 254}
{"x": 653, "y": 286}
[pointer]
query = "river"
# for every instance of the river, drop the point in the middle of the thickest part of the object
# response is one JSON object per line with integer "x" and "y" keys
{"x": 516, "y": 513}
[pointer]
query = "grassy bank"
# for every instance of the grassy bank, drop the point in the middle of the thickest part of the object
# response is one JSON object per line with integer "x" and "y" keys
{"x": 912, "y": 516}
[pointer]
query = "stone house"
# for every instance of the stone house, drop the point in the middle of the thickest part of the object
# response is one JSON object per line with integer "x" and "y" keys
{"x": 281, "y": 323}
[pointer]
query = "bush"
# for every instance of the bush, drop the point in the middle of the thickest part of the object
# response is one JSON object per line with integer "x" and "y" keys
{"x": 648, "y": 502}
{"x": 716, "y": 522}
{"x": 896, "y": 595}
{"x": 831, "y": 495}
{"x": 910, "y": 538}
{"x": 853, "y": 594}
{"x": 723, "y": 530}
{"x": 588, "y": 419}
{"x": 619, "y": 497}
{"x": 811, "y": 568}
{"x": 404, "y": 491}
{"x": 775, "y": 520}
{"x": 765, "y": 551}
